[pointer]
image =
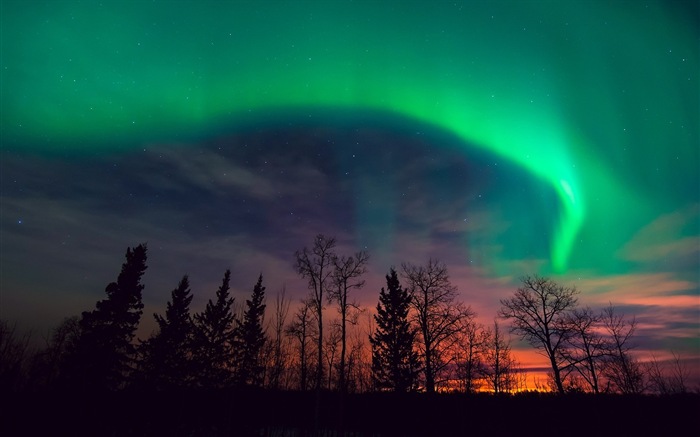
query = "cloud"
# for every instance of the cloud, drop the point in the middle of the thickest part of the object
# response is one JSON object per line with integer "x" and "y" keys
{"x": 227, "y": 173}
{"x": 637, "y": 289}
{"x": 666, "y": 308}
{"x": 207, "y": 171}
{"x": 666, "y": 238}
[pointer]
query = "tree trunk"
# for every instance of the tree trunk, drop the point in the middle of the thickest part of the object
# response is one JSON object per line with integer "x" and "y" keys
{"x": 429, "y": 379}
{"x": 594, "y": 376}
{"x": 341, "y": 376}
{"x": 557, "y": 375}
{"x": 319, "y": 368}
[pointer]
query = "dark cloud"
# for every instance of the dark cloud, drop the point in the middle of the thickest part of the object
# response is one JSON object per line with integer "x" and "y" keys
{"x": 247, "y": 200}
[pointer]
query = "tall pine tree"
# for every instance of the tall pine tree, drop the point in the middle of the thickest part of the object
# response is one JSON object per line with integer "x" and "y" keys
{"x": 395, "y": 363}
{"x": 250, "y": 339}
{"x": 104, "y": 353}
{"x": 167, "y": 356}
{"x": 214, "y": 338}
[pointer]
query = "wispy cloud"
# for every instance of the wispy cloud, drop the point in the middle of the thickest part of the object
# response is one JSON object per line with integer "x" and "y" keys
{"x": 666, "y": 238}
{"x": 638, "y": 289}
{"x": 224, "y": 173}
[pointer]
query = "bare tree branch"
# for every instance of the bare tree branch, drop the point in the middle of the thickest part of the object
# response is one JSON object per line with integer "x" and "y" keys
{"x": 537, "y": 313}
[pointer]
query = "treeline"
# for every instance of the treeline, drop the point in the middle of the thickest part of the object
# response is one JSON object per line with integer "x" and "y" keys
{"x": 422, "y": 338}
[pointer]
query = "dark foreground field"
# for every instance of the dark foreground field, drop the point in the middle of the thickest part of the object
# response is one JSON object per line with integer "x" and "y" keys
{"x": 250, "y": 413}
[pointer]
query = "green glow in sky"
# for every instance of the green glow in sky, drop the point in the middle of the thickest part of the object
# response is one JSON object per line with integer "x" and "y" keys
{"x": 599, "y": 99}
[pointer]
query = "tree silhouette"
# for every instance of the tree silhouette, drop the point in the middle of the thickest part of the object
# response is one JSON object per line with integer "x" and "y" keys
{"x": 471, "y": 347}
{"x": 346, "y": 276}
{"x": 316, "y": 265}
{"x": 538, "y": 313}
{"x": 417, "y": 326}
{"x": 302, "y": 330}
{"x": 167, "y": 356}
{"x": 279, "y": 354}
{"x": 104, "y": 353}
{"x": 438, "y": 315}
{"x": 62, "y": 341}
{"x": 14, "y": 354}
{"x": 250, "y": 339}
{"x": 665, "y": 381}
{"x": 359, "y": 374}
{"x": 499, "y": 365}
{"x": 395, "y": 363}
{"x": 586, "y": 347}
{"x": 330, "y": 351}
{"x": 622, "y": 370}
{"x": 214, "y": 338}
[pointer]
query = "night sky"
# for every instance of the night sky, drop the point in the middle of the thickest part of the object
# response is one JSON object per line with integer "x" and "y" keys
{"x": 504, "y": 138}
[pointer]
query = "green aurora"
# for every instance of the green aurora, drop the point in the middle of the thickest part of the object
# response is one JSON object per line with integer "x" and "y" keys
{"x": 598, "y": 99}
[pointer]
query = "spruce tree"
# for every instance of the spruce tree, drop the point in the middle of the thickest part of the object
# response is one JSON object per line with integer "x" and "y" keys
{"x": 167, "y": 357}
{"x": 104, "y": 352}
{"x": 214, "y": 338}
{"x": 250, "y": 339}
{"x": 395, "y": 364}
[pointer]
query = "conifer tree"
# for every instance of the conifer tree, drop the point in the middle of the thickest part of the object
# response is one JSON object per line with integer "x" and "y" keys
{"x": 395, "y": 363}
{"x": 167, "y": 357}
{"x": 250, "y": 339}
{"x": 104, "y": 352}
{"x": 214, "y": 338}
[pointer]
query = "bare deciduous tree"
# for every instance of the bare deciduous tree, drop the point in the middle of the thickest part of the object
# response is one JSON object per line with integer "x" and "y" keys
{"x": 61, "y": 341}
{"x": 14, "y": 355}
{"x": 316, "y": 266}
{"x": 359, "y": 363}
{"x": 625, "y": 373}
{"x": 302, "y": 331}
{"x": 469, "y": 355}
{"x": 585, "y": 347}
{"x": 437, "y": 314}
{"x": 665, "y": 381}
{"x": 332, "y": 343}
{"x": 537, "y": 313}
{"x": 347, "y": 275}
{"x": 499, "y": 365}
{"x": 279, "y": 356}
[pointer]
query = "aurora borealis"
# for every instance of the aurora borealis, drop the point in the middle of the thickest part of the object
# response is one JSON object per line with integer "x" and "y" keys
{"x": 503, "y": 137}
